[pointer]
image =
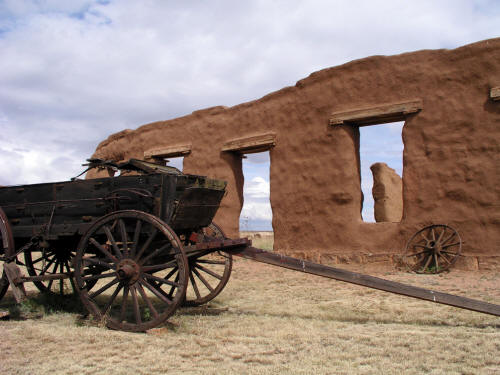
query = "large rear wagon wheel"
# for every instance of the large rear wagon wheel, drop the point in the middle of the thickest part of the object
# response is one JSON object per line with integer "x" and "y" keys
{"x": 146, "y": 270}
{"x": 6, "y": 249}
{"x": 208, "y": 273}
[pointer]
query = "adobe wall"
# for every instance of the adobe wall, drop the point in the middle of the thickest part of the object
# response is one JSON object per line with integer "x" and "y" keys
{"x": 451, "y": 153}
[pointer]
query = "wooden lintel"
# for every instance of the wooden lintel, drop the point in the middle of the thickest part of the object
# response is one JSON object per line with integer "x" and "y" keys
{"x": 390, "y": 112}
{"x": 262, "y": 142}
{"x": 168, "y": 152}
{"x": 495, "y": 93}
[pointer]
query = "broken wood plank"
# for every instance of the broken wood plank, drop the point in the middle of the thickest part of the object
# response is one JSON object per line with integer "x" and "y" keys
{"x": 384, "y": 113}
{"x": 495, "y": 93}
{"x": 15, "y": 277}
{"x": 257, "y": 143}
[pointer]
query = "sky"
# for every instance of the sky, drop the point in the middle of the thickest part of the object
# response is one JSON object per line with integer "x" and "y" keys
{"x": 74, "y": 72}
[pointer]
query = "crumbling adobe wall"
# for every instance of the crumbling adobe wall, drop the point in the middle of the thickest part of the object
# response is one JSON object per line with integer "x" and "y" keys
{"x": 450, "y": 156}
{"x": 387, "y": 193}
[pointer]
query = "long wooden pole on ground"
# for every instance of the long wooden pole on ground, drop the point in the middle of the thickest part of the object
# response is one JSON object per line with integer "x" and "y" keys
{"x": 263, "y": 256}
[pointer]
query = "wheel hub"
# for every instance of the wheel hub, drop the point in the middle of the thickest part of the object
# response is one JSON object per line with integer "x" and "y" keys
{"x": 128, "y": 271}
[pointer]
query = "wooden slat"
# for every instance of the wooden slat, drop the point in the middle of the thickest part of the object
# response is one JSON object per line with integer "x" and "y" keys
{"x": 257, "y": 143}
{"x": 263, "y": 256}
{"x": 390, "y": 112}
{"x": 495, "y": 93}
{"x": 168, "y": 152}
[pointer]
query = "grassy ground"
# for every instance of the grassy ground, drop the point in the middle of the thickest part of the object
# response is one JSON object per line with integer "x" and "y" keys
{"x": 271, "y": 321}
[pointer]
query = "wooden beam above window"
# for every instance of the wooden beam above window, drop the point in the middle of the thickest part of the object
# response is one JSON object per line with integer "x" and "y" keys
{"x": 495, "y": 93}
{"x": 379, "y": 114}
{"x": 249, "y": 145}
{"x": 168, "y": 152}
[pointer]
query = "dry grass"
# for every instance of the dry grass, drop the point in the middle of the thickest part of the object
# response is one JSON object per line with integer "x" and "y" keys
{"x": 273, "y": 321}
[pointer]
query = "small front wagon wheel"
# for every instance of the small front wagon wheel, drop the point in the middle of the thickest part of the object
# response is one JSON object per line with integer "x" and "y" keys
{"x": 145, "y": 271}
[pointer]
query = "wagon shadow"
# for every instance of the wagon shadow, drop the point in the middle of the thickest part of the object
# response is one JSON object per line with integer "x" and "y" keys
{"x": 38, "y": 305}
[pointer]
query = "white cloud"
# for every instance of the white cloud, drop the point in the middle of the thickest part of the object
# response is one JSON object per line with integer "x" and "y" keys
{"x": 257, "y": 211}
{"x": 257, "y": 188}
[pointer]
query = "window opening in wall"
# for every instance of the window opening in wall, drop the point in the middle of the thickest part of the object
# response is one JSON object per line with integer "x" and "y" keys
{"x": 381, "y": 143}
{"x": 176, "y": 161}
{"x": 256, "y": 214}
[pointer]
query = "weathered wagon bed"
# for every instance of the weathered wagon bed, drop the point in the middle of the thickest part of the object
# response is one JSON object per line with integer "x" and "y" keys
{"x": 137, "y": 246}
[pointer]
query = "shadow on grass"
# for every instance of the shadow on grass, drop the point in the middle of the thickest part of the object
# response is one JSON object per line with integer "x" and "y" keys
{"x": 39, "y": 305}
{"x": 356, "y": 317}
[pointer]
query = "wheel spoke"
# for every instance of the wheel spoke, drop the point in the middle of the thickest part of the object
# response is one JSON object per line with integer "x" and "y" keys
{"x": 441, "y": 235}
{"x": 209, "y": 261}
{"x": 97, "y": 262}
{"x": 105, "y": 287}
{"x": 444, "y": 257}
{"x": 111, "y": 239}
{"x": 43, "y": 257}
{"x": 170, "y": 274}
{"x": 210, "y": 272}
{"x": 46, "y": 268}
{"x": 172, "y": 288}
{"x": 137, "y": 311}
{"x": 436, "y": 261}
{"x": 112, "y": 299}
{"x": 103, "y": 250}
{"x": 54, "y": 270}
{"x": 123, "y": 233}
{"x": 155, "y": 253}
{"x": 416, "y": 254}
{"x": 195, "y": 286}
{"x": 449, "y": 238}
{"x": 137, "y": 233}
{"x": 146, "y": 244}
{"x": 203, "y": 280}
{"x": 159, "y": 267}
{"x": 147, "y": 300}
{"x": 71, "y": 278}
{"x": 160, "y": 279}
{"x": 449, "y": 252}
{"x": 429, "y": 258}
{"x": 61, "y": 281}
{"x": 450, "y": 245}
{"x": 155, "y": 291}
{"x": 124, "y": 303}
{"x": 100, "y": 276}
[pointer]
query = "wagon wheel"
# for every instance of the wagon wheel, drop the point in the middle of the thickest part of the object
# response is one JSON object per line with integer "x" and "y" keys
{"x": 6, "y": 249}
{"x": 48, "y": 260}
{"x": 208, "y": 273}
{"x": 433, "y": 249}
{"x": 139, "y": 253}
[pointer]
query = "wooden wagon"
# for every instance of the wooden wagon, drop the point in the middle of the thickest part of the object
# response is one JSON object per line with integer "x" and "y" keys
{"x": 137, "y": 246}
